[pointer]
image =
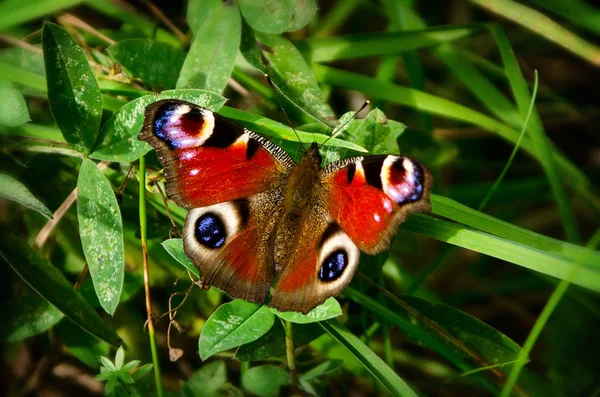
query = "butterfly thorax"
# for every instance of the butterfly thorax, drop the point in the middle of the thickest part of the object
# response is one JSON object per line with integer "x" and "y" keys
{"x": 301, "y": 197}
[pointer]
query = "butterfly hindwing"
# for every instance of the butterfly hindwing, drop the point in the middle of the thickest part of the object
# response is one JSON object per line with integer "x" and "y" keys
{"x": 369, "y": 197}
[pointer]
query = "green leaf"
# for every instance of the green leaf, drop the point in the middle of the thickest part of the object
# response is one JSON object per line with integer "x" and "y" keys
{"x": 265, "y": 380}
{"x": 549, "y": 263}
{"x": 14, "y": 109}
{"x": 174, "y": 247}
{"x": 198, "y": 11}
{"x": 375, "y": 365}
{"x": 27, "y": 315}
{"x": 276, "y": 56}
{"x": 82, "y": 345}
{"x": 327, "y": 310}
{"x": 272, "y": 344}
{"x": 268, "y": 127}
{"x": 119, "y": 358}
{"x": 234, "y": 324}
{"x": 118, "y": 138}
{"x": 209, "y": 62}
{"x": 155, "y": 62}
{"x": 206, "y": 381}
{"x": 12, "y": 189}
{"x": 277, "y": 16}
{"x": 73, "y": 92}
{"x": 101, "y": 232}
{"x": 322, "y": 369}
{"x": 50, "y": 283}
{"x": 377, "y": 134}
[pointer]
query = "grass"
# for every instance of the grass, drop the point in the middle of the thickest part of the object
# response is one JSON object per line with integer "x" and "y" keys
{"x": 458, "y": 303}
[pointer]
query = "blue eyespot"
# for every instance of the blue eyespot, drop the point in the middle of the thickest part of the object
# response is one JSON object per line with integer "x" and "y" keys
{"x": 333, "y": 266}
{"x": 210, "y": 231}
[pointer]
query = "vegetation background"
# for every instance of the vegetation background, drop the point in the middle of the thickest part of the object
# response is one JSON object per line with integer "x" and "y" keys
{"x": 493, "y": 293}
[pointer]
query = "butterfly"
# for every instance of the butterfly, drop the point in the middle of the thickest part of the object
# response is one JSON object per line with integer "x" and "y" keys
{"x": 257, "y": 219}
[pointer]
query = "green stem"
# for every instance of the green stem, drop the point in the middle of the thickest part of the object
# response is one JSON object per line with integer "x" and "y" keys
{"x": 143, "y": 232}
{"x": 290, "y": 352}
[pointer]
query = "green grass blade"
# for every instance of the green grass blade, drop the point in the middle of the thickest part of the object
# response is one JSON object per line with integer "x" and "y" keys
{"x": 515, "y": 252}
{"x": 392, "y": 382}
{"x": 13, "y": 190}
{"x": 541, "y": 321}
{"x": 15, "y": 12}
{"x": 540, "y": 24}
{"x": 442, "y": 107}
{"x": 328, "y": 49}
{"x": 536, "y": 132}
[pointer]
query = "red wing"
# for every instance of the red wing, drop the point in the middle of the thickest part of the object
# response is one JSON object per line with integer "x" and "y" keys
{"x": 369, "y": 197}
{"x": 207, "y": 158}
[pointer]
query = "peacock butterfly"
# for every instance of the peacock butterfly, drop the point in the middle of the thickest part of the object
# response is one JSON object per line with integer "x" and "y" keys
{"x": 257, "y": 219}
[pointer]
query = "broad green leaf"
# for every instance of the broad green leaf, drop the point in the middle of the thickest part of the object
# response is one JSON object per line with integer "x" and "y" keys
{"x": 277, "y": 16}
{"x": 234, "y": 324}
{"x": 50, "y": 283}
{"x": 73, "y": 92}
{"x": 118, "y": 138}
{"x": 265, "y": 380}
{"x": 198, "y": 11}
{"x": 27, "y": 315}
{"x": 272, "y": 344}
{"x": 206, "y": 381}
{"x": 12, "y": 189}
{"x": 375, "y": 365}
{"x": 174, "y": 247}
{"x": 15, "y": 12}
{"x": 210, "y": 60}
{"x": 101, "y": 231}
{"x": 132, "y": 283}
{"x": 377, "y": 134}
{"x": 325, "y": 311}
{"x": 155, "y": 62}
{"x": 82, "y": 345}
{"x": 276, "y": 56}
{"x": 14, "y": 109}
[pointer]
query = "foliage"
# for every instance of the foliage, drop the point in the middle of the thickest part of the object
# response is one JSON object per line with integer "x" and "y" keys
{"x": 448, "y": 307}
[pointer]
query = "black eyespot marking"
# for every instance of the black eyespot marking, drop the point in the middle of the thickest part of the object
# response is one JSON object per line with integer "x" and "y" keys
{"x": 333, "y": 266}
{"x": 331, "y": 229}
{"x": 350, "y": 172}
{"x": 372, "y": 167}
{"x": 210, "y": 231}
{"x": 251, "y": 148}
{"x": 225, "y": 133}
{"x": 243, "y": 210}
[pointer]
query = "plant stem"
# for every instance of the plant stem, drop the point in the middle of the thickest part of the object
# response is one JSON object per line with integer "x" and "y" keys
{"x": 291, "y": 359}
{"x": 143, "y": 232}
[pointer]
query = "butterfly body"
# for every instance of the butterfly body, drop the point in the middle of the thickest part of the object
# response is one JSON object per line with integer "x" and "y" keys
{"x": 257, "y": 219}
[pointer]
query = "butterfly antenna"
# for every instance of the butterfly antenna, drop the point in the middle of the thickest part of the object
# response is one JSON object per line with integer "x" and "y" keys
{"x": 340, "y": 128}
{"x": 283, "y": 109}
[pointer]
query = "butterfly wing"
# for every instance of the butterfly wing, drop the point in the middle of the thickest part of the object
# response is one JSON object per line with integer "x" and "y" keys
{"x": 361, "y": 203}
{"x": 369, "y": 197}
{"x": 230, "y": 178}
